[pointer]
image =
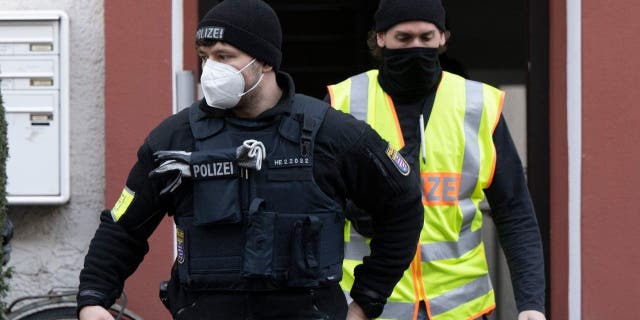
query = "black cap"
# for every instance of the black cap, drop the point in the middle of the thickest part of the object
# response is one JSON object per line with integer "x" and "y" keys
{"x": 392, "y": 12}
{"x": 249, "y": 25}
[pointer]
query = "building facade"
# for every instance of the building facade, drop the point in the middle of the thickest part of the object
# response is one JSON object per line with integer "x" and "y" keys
{"x": 579, "y": 141}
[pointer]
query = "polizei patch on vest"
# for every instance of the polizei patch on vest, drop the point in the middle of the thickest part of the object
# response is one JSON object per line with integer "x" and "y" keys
{"x": 398, "y": 161}
{"x": 211, "y": 170}
{"x": 214, "y": 33}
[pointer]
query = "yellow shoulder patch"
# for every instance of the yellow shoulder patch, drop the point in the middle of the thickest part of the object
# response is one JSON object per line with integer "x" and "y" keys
{"x": 121, "y": 206}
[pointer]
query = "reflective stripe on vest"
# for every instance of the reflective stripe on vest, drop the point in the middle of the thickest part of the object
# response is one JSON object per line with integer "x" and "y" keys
{"x": 454, "y": 298}
{"x": 468, "y": 239}
{"x": 456, "y": 290}
{"x": 392, "y": 309}
{"x": 359, "y": 96}
{"x": 397, "y": 310}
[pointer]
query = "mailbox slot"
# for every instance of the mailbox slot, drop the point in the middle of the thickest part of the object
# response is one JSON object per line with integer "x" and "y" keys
{"x": 34, "y": 82}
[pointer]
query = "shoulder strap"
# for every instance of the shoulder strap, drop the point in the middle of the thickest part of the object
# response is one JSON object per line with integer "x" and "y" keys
{"x": 304, "y": 122}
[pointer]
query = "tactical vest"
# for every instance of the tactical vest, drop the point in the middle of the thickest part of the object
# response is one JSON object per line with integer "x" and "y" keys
{"x": 449, "y": 272}
{"x": 259, "y": 230}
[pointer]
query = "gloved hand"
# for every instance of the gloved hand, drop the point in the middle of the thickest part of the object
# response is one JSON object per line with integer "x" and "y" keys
{"x": 182, "y": 156}
{"x": 250, "y": 154}
{"x": 173, "y": 164}
{"x": 531, "y": 315}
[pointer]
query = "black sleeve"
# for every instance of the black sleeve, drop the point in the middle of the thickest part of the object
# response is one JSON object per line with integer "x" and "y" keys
{"x": 373, "y": 179}
{"x": 117, "y": 248}
{"x": 516, "y": 223}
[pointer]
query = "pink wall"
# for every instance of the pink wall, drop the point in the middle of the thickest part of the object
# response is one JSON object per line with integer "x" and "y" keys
{"x": 558, "y": 158}
{"x": 137, "y": 97}
{"x": 611, "y": 154}
{"x": 191, "y": 60}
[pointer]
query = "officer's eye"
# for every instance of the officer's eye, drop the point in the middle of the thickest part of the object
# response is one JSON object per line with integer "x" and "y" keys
{"x": 405, "y": 37}
{"x": 426, "y": 38}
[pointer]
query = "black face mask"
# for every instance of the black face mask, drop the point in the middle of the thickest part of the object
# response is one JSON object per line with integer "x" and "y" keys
{"x": 409, "y": 73}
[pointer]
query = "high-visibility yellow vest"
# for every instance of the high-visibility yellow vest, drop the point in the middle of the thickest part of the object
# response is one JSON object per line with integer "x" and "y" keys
{"x": 449, "y": 272}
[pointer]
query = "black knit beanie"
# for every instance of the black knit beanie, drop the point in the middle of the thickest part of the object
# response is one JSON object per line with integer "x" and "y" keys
{"x": 249, "y": 25}
{"x": 392, "y": 12}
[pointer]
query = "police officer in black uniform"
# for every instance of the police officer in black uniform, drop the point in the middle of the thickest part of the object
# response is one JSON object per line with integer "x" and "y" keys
{"x": 256, "y": 177}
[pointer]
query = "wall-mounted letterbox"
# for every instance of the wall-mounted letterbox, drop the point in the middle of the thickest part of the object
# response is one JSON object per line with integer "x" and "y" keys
{"x": 34, "y": 82}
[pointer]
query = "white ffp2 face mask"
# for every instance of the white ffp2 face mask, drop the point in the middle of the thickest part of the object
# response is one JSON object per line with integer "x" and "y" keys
{"x": 223, "y": 85}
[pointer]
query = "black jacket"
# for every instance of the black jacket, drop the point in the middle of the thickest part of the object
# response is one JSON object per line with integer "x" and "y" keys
{"x": 349, "y": 162}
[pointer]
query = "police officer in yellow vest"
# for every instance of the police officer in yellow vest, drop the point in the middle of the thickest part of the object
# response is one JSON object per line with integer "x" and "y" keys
{"x": 451, "y": 129}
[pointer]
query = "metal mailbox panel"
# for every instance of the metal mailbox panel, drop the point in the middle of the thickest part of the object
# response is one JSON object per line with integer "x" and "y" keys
{"x": 33, "y": 136}
{"x": 26, "y": 100}
{"x": 20, "y": 72}
{"x": 34, "y": 79}
{"x": 29, "y": 37}
{"x": 34, "y": 154}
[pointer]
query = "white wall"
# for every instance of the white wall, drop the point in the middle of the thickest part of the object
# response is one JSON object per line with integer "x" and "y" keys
{"x": 515, "y": 114}
{"x": 50, "y": 241}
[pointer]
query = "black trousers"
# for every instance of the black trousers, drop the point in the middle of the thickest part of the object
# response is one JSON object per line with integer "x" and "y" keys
{"x": 325, "y": 303}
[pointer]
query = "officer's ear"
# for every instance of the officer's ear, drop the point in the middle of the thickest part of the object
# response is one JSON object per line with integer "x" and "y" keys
{"x": 381, "y": 38}
{"x": 444, "y": 37}
{"x": 266, "y": 67}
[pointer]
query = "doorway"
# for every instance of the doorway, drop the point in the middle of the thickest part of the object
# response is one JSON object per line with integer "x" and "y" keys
{"x": 323, "y": 42}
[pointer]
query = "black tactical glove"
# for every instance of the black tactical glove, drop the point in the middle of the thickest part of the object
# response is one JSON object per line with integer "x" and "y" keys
{"x": 250, "y": 154}
{"x": 173, "y": 165}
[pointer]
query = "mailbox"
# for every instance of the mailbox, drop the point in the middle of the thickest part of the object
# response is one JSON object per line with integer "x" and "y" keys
{"x": 34, "y": 82}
